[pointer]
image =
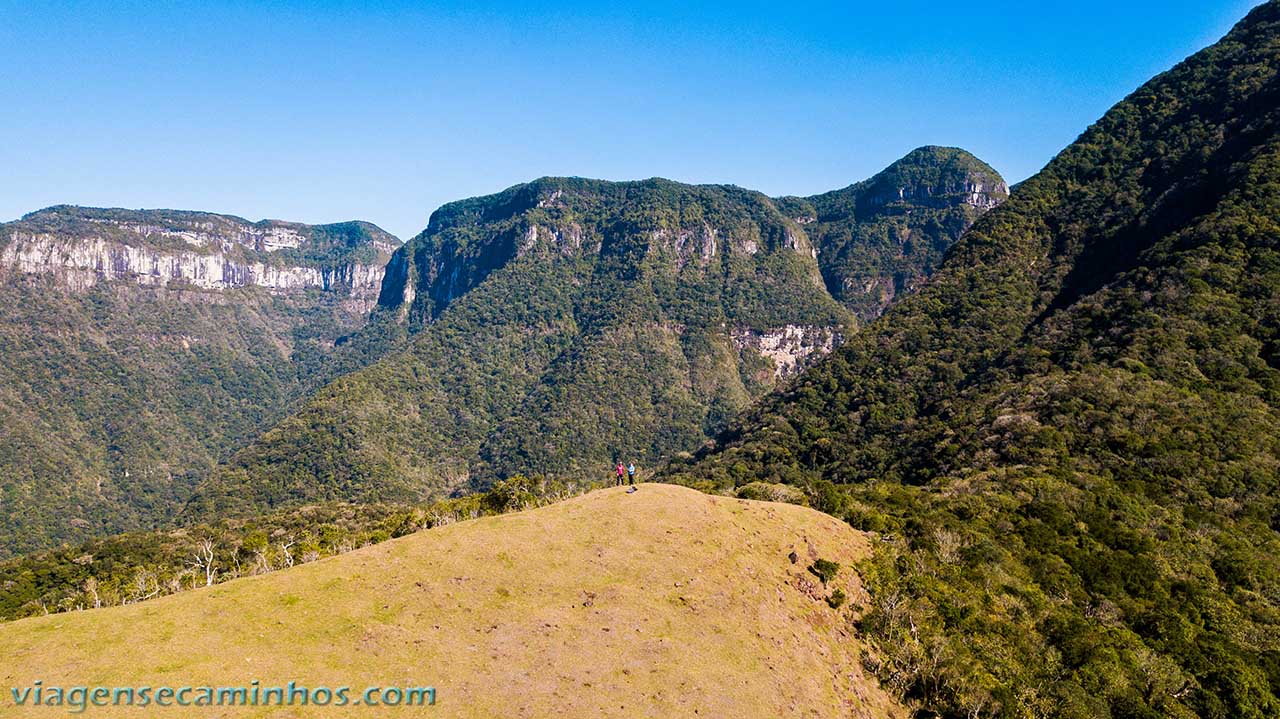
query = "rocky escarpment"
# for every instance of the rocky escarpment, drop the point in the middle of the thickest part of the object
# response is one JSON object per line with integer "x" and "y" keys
{"x": 81, "y": 247}
{"x": 947, "y": 187}
{"x": 564, "y": 220}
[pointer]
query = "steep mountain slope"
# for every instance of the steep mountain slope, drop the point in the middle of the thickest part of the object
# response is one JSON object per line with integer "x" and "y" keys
{"x": 560, "y": 326}
{"x": 614, "y": 309}
{"x": 1072, "y": 433}
{"x": 138, "y": 348}
{"x": 883, "y": 237}
{"x": 662, "y": 603}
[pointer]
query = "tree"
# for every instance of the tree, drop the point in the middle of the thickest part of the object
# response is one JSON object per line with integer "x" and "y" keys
{"x": 204, "y": 561}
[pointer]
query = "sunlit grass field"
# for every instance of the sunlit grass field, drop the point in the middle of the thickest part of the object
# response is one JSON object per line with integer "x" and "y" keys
{"x": 661, "y": 603}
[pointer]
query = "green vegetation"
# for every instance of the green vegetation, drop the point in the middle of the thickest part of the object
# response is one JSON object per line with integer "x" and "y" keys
{"x": 566, "y": 323}
{"x": 825, "y": 570}
{"x": 883, "y": 237}
{"x": 765, "y": 492}
{"x": 117, "y": 398}
{"x": 1069, "y": 440}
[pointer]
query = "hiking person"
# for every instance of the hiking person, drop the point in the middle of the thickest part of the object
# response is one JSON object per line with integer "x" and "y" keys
{"x": 631, "y": 472}
{"x": 620, "y": 471}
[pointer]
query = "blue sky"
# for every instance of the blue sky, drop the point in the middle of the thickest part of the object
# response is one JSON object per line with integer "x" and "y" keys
{"x": 327, "y": 111}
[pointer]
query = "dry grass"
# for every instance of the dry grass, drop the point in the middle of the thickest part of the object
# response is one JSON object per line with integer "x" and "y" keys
{"x": 663, "y": 603}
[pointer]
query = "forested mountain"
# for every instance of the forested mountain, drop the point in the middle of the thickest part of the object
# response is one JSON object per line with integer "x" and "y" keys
{"x": 565, "y": 324}
{"x": 884, "y": 236}
{"x": 1070, "y": 438}
{"x": 139, "y": 348}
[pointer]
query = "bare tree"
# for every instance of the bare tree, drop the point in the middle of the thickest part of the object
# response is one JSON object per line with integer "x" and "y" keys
{"x": 286, "y": 557}
{"x": 204, "y": 561}
{"x": 262, "y": 562}
{"x": 949, "y": 545}
{"x": 91, "y": 588}
{"x": 145, "y": 585}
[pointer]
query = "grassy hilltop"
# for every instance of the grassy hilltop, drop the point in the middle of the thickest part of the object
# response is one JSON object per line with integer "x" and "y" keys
{"x": 663, "y": 603}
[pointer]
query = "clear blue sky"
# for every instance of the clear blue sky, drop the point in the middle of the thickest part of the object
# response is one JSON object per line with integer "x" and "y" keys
{"x": 328, "y": 111}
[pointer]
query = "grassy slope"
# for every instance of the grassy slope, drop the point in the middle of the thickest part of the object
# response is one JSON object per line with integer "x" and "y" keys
{"x": 696, "y": 607}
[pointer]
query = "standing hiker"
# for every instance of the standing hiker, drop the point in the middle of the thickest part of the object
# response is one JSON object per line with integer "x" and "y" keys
{"x": 620, "y": 471}
{"x": 631, "y": 472}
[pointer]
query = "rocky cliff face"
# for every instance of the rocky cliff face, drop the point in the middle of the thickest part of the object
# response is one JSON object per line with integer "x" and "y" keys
{"x": 81, "y": 247}
{"x": 563, "y": 219}
{"x": 957, "y": 186}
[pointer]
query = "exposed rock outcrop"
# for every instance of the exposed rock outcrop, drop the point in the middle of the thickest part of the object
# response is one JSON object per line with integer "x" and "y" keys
{"x": 81, "y": 247}
{"x": 791, "y": 348}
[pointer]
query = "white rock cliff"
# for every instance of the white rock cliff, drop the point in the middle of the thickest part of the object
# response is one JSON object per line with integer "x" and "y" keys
{"x": 215, "y": 254}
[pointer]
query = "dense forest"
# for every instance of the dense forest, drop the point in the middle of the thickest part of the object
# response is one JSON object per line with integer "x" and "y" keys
{"x": 1068, "y": 442}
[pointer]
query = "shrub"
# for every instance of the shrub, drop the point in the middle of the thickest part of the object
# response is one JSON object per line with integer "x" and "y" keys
{"x": 824, "y": 570}
{"x": 766, "y": 492}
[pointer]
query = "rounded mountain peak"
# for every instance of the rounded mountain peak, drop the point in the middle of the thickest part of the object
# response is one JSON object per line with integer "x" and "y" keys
{"x": 929, "y": 176}
{"x": 933, "y": 174}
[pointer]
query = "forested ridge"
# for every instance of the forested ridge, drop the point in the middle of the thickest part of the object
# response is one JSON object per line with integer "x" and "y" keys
{"x": 1069, "y": 440}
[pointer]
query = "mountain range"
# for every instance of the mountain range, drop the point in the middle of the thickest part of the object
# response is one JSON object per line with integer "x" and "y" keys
{"x": 1048, "y": 419}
